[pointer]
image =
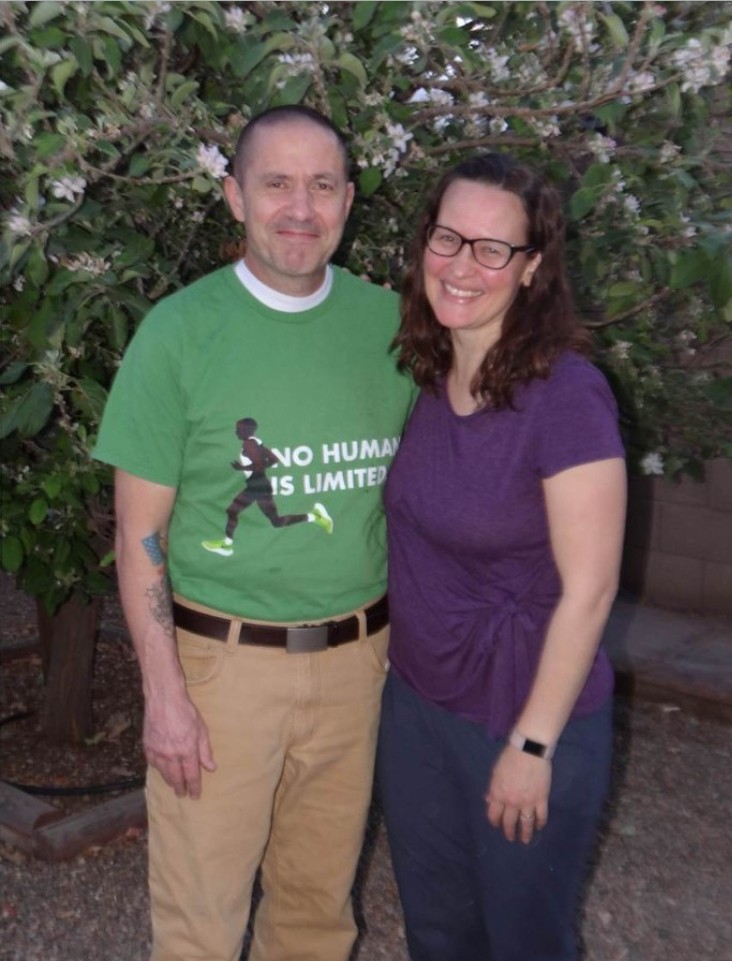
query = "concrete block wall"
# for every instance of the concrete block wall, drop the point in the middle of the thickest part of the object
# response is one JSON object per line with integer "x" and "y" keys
{"x": 678, "y": 544}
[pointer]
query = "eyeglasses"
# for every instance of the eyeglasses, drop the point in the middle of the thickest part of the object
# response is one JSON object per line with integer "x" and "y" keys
{"x": 495, "y": 254}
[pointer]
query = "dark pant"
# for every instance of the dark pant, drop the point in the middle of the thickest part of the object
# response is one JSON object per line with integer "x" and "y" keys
{"x": 468, "y": 894}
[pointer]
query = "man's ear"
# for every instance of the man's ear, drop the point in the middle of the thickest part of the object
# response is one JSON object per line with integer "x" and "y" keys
{"x": 234, "y": 198}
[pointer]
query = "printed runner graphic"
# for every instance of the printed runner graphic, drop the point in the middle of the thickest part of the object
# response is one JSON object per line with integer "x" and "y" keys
{"x": 253, "y": 462}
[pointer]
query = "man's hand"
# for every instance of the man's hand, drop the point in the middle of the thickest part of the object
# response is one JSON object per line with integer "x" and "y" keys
{"x": 177, "y": 744}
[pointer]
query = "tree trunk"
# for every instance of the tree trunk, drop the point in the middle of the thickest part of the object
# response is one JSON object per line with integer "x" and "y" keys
{"x": 67, "y": 642}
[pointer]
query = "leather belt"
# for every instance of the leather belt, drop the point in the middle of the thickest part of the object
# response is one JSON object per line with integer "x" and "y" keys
{"x": 298, "y": 639}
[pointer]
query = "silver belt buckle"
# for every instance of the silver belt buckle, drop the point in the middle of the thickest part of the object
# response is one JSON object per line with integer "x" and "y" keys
{"x": 308, "y": 639}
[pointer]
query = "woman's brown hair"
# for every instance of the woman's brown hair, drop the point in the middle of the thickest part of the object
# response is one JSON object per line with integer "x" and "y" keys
{"x": 540, "y": 323}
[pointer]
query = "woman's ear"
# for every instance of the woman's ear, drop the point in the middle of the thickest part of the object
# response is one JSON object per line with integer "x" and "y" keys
{"x": 528, "y": 275}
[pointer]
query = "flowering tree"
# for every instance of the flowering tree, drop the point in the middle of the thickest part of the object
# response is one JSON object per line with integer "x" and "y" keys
{"x": 117, "y": 118}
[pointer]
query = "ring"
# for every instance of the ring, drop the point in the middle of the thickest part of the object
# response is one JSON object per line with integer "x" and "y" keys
{"x": 528, "y": 817}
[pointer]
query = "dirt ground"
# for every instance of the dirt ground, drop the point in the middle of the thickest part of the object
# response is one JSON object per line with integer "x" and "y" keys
{"x": 660, "y": 890}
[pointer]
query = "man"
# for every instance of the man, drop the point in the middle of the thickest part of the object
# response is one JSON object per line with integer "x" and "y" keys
{"x": 262, "y": 664}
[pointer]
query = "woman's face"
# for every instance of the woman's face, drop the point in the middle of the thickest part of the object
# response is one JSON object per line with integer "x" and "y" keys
{"x": 464, "y": 295}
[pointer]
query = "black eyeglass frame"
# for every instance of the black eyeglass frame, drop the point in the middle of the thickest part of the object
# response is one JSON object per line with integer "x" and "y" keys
{"x": 513, "y": 248}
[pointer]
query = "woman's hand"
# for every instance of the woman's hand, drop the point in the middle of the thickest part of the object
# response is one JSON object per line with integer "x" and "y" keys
{"x": 517, "y": 800}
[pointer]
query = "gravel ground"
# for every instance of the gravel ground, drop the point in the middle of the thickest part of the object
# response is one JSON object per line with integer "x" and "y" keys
{"x": 661, "y": 889}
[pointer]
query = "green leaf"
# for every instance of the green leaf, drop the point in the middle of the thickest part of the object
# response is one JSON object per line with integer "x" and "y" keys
{"x": 582, "y": 202}
{"x": 90, "y": 397}
{"x": 598, "y": 175}
{"x": 37, "y": 511}
{"x": 690, "y": 267}
{"x": 625, "y": 288}
{"x": 616, "y": 29}
{"x": 353, "y": 65}
{"x": 52, "y": 487}
{"x": 118, "y": 329}
{"x": 83, "y": 53}
{"x": 369, "y": 181}
{"x": 243, "y": 64}
{"x": 44, "y": 11}
{"x": 30, "y": 412}
{"x": 111, "y": 26}
{"x": 36, "y": 268}
{"x": 62, "y": 73}
{"x": 11, "y": 553}
{"x": 49, "y": 39}
{"x": 179, "y": 96}
{"x": 139, "y": 165}
{"x": 13, "y": 372}
{"x": 720, "y": 281}
{"x": 48, "y": 144}
{"x": 362, "y": 14}
{"x": 294, "y": 89}
{"x": 138, "y": 248}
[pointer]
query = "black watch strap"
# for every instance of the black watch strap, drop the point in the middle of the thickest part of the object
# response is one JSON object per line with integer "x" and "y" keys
{"x": 525, "y": 744}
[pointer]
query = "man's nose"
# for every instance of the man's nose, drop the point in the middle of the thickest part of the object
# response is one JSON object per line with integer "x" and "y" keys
{"x": 301, "y": 202}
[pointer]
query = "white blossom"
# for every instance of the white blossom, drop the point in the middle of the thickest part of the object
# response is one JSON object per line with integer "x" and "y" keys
{"x": 297, "y": 63}
{"x": 652, "y": 464}
{"x": 621, "y": 349}
{"x": 602, "y": 147}
{"x": 19, "y": 283}
{"x": 668, "y": 152}
{"x": 700, "y": 67}
{"x": 631, "y": 204}
{"x": 67, "y": 188}
{"x": 548, "y": 127}
{"x": 640, "y": 82}
{"x": 19, "y": 224}
{"x": 407, "y": 56}
{"x": 212, "y": 161}
{"x": 92, "y": 265}
{"x": 685, "y": 337}
{"x": 478, "y": 100}
{"x": 498, "y": 65}
{"x": 578, "y": 25}
{"x": 498, "y": 125}
{"x": 690, "y": 230}
{"x": 158, "y": 9}
{"x": 399, "y": 136}
{"x": 440, "y": 98}
{"x": 236, "y": 20}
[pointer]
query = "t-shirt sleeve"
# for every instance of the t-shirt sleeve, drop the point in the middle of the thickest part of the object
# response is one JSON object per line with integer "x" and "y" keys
{"x": 144, "y": 423}
{"x": 576, "y": 418}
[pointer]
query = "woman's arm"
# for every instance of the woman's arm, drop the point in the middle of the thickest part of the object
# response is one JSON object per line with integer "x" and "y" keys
{"x": 586, "y": 514}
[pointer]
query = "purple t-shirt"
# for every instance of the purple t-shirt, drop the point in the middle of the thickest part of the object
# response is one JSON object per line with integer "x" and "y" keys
{"x": 472, "y": 579}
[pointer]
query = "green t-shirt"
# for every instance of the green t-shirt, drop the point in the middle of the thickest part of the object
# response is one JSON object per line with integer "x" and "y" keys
{"x": 329, "y": 408}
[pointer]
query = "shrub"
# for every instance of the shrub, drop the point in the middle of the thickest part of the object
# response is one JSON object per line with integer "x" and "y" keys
{"x": 117, "y": 118}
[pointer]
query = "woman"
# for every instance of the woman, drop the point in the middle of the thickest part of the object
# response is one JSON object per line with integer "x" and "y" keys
{"x": 505, "y": 509}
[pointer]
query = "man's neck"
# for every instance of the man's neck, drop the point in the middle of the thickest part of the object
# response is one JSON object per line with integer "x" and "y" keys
{"x": 275, "y": 298}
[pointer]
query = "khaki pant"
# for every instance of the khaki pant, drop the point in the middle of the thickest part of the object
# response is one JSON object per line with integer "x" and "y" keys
{"x": 293, "y": 737}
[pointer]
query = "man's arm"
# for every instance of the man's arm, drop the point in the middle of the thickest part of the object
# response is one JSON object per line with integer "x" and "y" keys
{"x": 175, "y": 737}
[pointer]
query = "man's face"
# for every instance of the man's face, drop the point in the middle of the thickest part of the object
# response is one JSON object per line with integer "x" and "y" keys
{"x": 294, "y": 199}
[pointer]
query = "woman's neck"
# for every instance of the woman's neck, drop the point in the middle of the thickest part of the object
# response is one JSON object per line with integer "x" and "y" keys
{"x": 468, "y": 353}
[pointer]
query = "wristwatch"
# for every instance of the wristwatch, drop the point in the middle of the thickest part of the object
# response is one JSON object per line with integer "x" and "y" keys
{"x": 525, "y": 744}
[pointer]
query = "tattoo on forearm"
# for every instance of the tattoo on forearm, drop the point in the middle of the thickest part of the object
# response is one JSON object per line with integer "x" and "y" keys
{"x": 160, "y": 604}
{"x": 154, "y": 548}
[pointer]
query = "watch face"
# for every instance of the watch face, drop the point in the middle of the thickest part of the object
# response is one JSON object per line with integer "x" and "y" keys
{"x": 533, "y": 747}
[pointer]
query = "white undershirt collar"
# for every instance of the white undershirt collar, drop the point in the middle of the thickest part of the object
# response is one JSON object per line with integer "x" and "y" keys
{"x": 277, "y": 300}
